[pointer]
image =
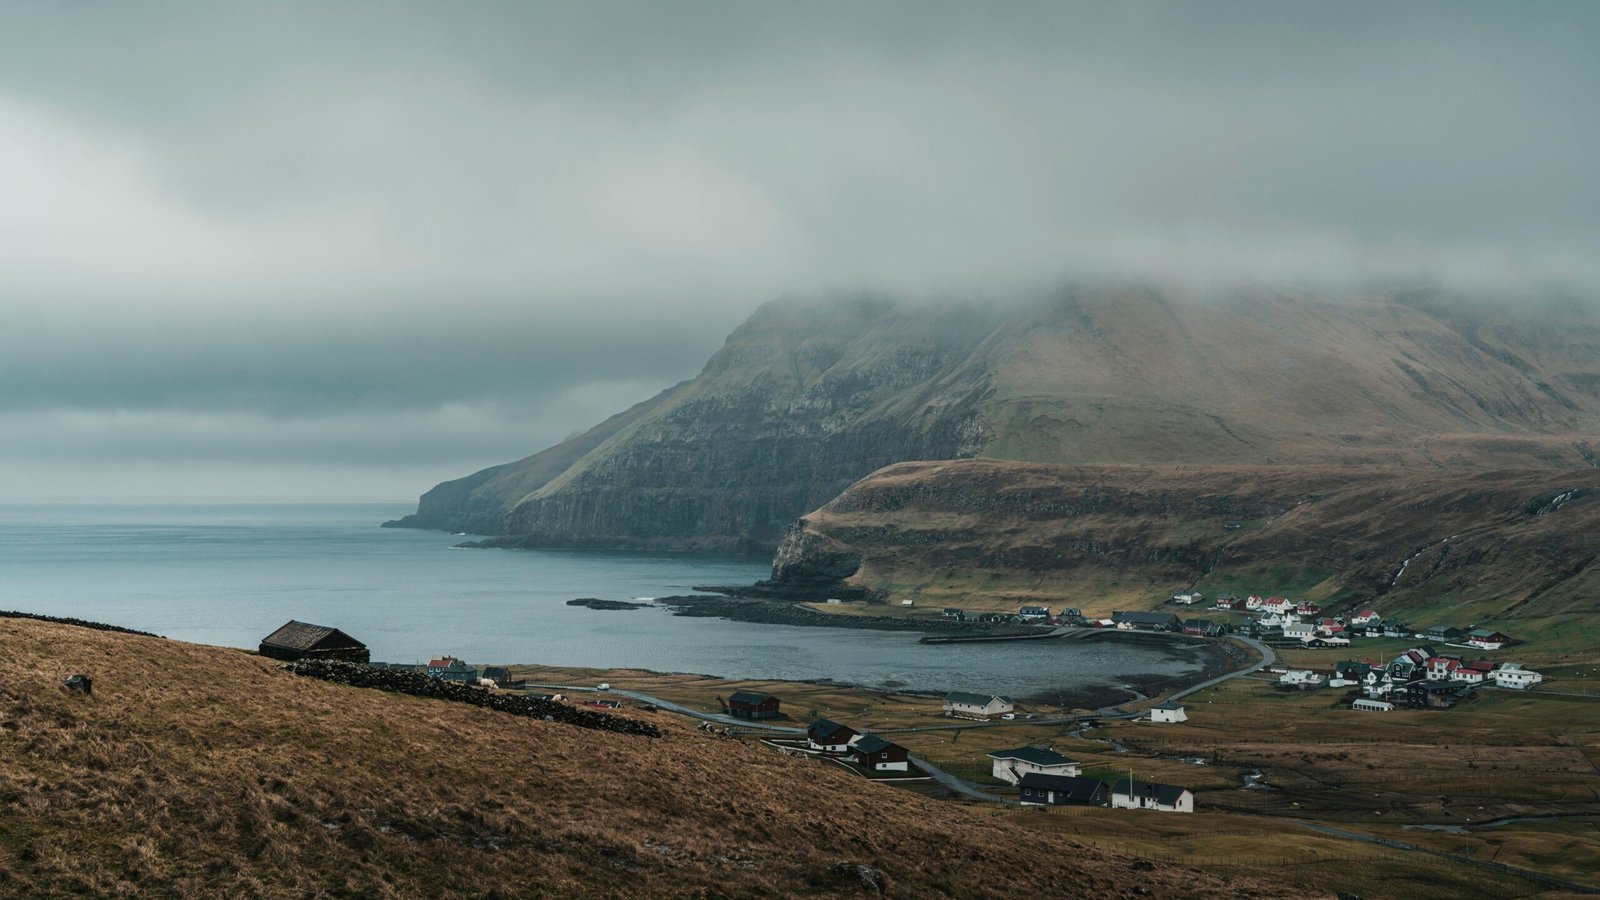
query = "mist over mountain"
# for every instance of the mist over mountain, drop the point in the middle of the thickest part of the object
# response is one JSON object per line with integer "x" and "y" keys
{"x": 810, "y": 395}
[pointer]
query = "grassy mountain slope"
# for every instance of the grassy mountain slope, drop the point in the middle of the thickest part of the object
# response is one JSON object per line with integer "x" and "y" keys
{"x": 807, "y": 397}
{"x": 203, "y": 771}
{"x": 1518, "y": 548}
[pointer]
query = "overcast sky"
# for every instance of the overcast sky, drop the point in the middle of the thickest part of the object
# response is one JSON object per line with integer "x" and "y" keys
{"x": 347, "y": 250}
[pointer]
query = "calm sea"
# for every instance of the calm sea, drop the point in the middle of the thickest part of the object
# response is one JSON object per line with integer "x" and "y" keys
{"x": 230, "y": 574}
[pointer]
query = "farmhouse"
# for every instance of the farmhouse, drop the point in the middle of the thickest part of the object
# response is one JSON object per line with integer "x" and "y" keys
{"x": 1363, "y": 704}
{"x": 1061, "y": 790}
{"x": 828, "y": 736}
{"x": 1168, "y": 712}
{"x": 875, "y": 754}
{"x": 1443, "y": 668}
{"x": 751, "y": 705}
{"x": 964, "y": 705}
{"x": 1127, "y": 794}
{"x": 1188, "y": 598}
{"x": 448, "y": 668}
{"x": 1365, "y": 618}
{"x": 1146, "y": 621}
{"x": 1484, "y": 639}
{"x": 1302, "y": 679}
{"x": 1299, "y": 631}
{"x": 1444, "y": 634}
{"x": 1475, "y": 672}
{"x": 1433, "y": 695}
{"x": 1011, "y": 766}
{"x": 1513, "y": 675}
{"x": 302, "y": 640}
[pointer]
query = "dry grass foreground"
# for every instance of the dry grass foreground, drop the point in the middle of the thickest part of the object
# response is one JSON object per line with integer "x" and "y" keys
{"x": 196, "y": 770}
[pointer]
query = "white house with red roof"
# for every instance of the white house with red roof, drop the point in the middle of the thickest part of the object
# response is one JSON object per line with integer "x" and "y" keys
{"x": 1253, "y": 601}
{"x": 1366, "y": 617}
{"x": 1276, "y": 605}
{"x": 1330, "y": 626}
{"x": 1476, "y": 672}
{"x": 1307, "y": 608}
{"x": 1443, "y": 668}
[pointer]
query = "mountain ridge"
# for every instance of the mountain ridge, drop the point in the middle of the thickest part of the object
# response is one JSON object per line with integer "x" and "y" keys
{"x": 806, "y": 397}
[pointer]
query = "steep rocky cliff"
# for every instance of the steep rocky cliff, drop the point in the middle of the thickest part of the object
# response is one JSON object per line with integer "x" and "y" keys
{"x": 807, "y": 397}
{"x": 1490, "y": 544}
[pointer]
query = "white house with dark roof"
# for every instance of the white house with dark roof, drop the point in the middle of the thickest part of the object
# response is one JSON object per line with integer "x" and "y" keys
{"x": 1127, "y": 794}
{"x": 1011, "y": 765}
{"x": 1168, "y": 713}
{"x": 1514, "y": 676}
{"x": 965, "y": 705}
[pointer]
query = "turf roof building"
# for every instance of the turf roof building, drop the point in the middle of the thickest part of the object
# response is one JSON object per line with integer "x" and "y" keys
{"x": 302, "y": 640}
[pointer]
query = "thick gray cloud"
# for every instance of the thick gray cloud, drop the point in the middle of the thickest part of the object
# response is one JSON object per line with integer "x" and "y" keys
{"x": 273, "y": 249}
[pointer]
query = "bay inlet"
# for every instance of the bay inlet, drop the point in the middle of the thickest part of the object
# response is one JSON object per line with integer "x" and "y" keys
{"x": 227, "y": 574}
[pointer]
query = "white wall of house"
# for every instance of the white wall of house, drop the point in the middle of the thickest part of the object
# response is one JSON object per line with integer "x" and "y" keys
{"x": 1003, "y": 769}
{"x": 995, "y": 707}
{"x": 1122, "y": 801}
{"x": 1520, "y": 679}
{"x": 1158, "y": 714}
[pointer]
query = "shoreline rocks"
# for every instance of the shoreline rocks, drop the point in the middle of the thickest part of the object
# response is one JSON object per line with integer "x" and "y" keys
{"x": 597, "y": 603}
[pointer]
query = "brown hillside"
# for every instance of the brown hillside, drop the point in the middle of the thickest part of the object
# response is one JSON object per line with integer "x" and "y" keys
{"x": 203, "y": 771}
{"x": 1504, "y": 546}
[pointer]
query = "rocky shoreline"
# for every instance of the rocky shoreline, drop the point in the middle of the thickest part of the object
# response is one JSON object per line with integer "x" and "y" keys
{"x": 783, "y": 612}
{"x": 597, "y": 603}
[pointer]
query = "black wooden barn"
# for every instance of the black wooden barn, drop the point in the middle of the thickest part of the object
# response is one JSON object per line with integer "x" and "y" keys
{"x": 302, "y": 640}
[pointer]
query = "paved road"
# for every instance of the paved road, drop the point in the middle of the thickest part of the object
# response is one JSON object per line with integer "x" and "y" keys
{"x": 1268, "y": 657}
{"x": 960, "y": 785}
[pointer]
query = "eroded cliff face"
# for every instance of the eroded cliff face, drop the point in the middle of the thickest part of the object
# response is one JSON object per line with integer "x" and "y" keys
{"x": 807, "y": 397}
{"x": 1099, "y": 535}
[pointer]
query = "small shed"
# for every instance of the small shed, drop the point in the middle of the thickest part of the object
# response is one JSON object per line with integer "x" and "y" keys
{"x": 302, "y": 640}
{"x": 751, "y": 705}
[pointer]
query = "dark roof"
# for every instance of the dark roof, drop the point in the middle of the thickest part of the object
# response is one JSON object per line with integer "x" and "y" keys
{"x": 1485, "y": 632}
{"x": 750, "y": 697}
{"x": 1143, "y": 618}
{"x": 1036, "y": 755}
{"x": 871, "y": 743}
{"x": 305, "y": 636}
{"x": 1168, "y": 794}
{"x": 1169, "y": 705}
{"x": 825, "y": 728}
{"x": 1197, "y": 623}
{"x": 969, "y": 697}
{"x": 1076, "y": 787}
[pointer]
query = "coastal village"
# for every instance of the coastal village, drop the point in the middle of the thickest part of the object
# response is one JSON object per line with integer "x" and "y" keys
{"x": 1444, "y": 668}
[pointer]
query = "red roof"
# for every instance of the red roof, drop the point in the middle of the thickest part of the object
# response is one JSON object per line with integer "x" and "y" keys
{"x": 1481, "y": 665}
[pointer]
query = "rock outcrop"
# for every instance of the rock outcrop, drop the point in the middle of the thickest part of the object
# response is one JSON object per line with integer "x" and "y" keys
{"x": 806, "y": 398}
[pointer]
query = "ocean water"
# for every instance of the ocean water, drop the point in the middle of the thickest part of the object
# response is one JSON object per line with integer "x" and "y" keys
{"x": 230, "y": 574}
